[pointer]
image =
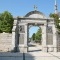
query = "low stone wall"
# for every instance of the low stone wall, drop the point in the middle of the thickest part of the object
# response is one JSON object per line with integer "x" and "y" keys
{"x": 5, "y": 42}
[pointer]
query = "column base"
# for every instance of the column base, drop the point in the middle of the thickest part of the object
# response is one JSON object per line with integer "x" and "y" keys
{"x": 14, "y": 49}
{"x": 50, "y": 48}
{"x": 44, "y": 49}
{"x": 55, "y": 49}
{"x": 23, "y": 49}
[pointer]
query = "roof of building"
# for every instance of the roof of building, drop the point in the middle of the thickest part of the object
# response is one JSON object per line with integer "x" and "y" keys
{"x": 34, "y": 12}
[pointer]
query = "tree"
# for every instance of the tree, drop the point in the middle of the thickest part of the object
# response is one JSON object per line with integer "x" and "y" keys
{"x": 33, "y": 36}
{"x": 6, "y": 22}
{"x": 38, "y": 35}
{"x": 56, "y": 18}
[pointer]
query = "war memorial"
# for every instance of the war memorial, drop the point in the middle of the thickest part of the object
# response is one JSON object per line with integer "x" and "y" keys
{"x": 15, "y": 45}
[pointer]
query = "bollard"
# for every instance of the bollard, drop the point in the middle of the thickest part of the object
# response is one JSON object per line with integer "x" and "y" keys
{"x": 23, "y": 56}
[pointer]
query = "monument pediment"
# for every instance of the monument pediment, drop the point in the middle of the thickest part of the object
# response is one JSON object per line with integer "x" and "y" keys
{"x": 35, "y": 14}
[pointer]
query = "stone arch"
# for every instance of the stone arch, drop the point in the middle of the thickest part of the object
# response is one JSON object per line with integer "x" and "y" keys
{"x": 33, "y": 17}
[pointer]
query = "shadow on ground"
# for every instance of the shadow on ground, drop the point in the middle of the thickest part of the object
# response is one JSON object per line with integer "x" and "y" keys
{"x": 35, "y": 50}
{"x": 31, "y": 45}
{"x": 15, "y": 56}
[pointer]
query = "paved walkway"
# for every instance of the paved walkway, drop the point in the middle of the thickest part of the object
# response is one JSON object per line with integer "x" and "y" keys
{"x": 42, "y": 56}
{"x": 34, "y": 53}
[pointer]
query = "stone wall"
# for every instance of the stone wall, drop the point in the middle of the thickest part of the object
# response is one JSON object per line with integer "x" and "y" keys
{"x": 58, "y": 42}
{"x": 5, "y": 42}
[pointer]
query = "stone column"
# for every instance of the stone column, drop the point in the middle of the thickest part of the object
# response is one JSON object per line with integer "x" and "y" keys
{"x": 13, "y": 37}
{"x": 44, "y": 48}
{"x": 24, "y": 47}
{"x": 54, "y": 38}
{"x": 21, "y": 37}
{"x": 26, "y": 39}
{"x": 14, "y": 34}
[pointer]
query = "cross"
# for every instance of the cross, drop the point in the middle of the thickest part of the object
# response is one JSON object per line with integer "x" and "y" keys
{"x": 35, "y": 7}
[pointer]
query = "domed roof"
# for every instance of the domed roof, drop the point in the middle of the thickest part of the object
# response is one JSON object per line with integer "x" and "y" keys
{"x": 35, "y": 14}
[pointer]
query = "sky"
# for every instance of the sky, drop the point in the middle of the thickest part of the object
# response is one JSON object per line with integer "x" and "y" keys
{"x": 32, "y": 30}
{"x": 22, "y": 7}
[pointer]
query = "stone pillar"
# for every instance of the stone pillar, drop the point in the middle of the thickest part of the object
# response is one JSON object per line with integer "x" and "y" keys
{"x": 23, "y": 46}
{"x": 21, "y": 37}
{"x": 44, "y": 47}
{"x": 26, "y": 39}
{"x": 54, "y": 38}
{"x": 13, "y": 40}
{"x": 14, "y": 35}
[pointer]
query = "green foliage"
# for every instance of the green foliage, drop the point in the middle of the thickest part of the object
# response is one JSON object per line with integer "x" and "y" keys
{"x": 56, "y": 18}
{"x": 37, "y": 36}
{"x": 6, "y": 22}
{"x": 33, "y": 36}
